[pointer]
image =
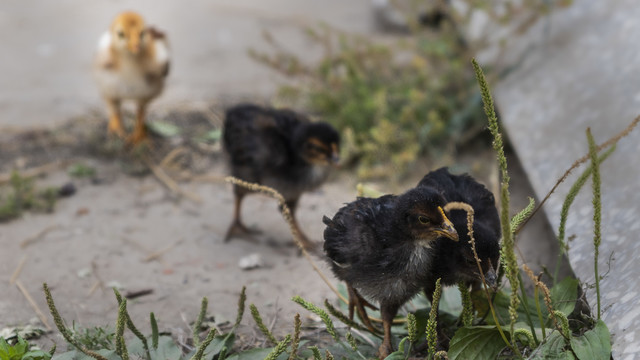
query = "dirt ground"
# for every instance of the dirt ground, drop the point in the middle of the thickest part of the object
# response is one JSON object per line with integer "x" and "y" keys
{"x": 129, "y": 230}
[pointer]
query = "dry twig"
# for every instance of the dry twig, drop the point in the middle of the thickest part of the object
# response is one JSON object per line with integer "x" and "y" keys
{"x": 33, "y": 304}
{"x": 16, "y": 273}
{"x": 155, "y": 255}
{"x": 38, "y": 236}
{"x": 36, "y": 171}
{"x": 167, "y": 181}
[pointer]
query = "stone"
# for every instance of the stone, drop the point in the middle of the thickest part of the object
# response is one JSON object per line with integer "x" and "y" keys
{"x": 583, "y": 70}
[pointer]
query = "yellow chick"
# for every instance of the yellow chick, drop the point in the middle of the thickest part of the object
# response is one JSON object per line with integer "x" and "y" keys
{"x": 132, "y": 63}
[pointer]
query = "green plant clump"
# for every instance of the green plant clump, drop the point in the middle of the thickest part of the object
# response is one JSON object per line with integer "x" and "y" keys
{"x": 21, "y": 194}
{"x": 21, "y": 350}
{"x": 390, "y": 109}
{"x": 395, "y": 100}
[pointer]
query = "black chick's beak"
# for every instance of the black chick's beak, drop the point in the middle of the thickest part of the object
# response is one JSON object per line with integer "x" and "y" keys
{"x": 447, "y": 230}
{"x": 490, "y": 278}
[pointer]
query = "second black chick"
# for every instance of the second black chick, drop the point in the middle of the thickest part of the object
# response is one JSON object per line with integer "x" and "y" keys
{"x": 280, "y": 149}
{"x": 382, "y": 248}
{"x": 454, "y": 262}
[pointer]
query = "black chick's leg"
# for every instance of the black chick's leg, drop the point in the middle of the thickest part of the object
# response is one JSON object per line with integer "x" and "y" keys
{"x": 237, "y": 228}
{"x": 388, "y": 312}
{"x": 305, "y": 242}
{"x": 359, "y": 303}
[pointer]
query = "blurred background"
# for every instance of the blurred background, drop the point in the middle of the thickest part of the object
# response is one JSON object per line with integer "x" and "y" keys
{"x": 393, "y": 76}
{"x": 47, "y": 49}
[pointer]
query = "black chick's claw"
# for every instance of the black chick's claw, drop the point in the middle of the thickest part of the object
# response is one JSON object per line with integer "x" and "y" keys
{"x": 358, "y": 303}
{"x": 381, "y": 248}
{"x": 239, "y": 230}
{"x": 280, "y": 149}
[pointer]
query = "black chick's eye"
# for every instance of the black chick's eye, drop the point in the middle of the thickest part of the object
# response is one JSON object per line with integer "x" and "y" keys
{"x": 424, "y": 220}
{"x": 121, "y": 34}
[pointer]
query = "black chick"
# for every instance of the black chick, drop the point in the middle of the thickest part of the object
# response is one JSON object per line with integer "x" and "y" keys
{"x": 454, "y": 262}
{"x": 280, "y": 149}
{"x": 382, "y": 248}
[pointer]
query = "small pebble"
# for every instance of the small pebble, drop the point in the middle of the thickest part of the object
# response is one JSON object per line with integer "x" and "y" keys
{"x": 251, "y": 261}
{"x": 67, "y": 190}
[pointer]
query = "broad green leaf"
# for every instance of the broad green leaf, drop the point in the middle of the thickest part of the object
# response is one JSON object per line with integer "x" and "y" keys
{"x": 396, "y": 355}
{"x": 477, "y": 342}
{"x": 77, "y": 355}
{"x": 593, "y": 344}
{"x": 399, "y": 354}
{"x": 167, "y": 349}
{"x": 343, "y": 349}
{"x": 450, "y": 301}
{"x": 501, "y": 304}
{"x": 36, "y": 355}
{"x": 4, "y": 349}
{"x": 214, "y": 135}
{"x": 163, "y": 129}
{"x": 553, "y": 347}
{"x": 256, "y": 354}
{"x": 218, "y": 343}
{"x": 564, "y": 295}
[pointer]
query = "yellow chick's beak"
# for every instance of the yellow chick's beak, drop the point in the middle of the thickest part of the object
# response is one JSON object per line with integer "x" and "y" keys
{"x": 447, "y": 230}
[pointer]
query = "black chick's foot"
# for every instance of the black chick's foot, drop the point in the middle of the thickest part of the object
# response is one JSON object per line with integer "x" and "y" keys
{"x": 384, "y": 351}
{"x": 357, "y": 302}
{"x": 239, "y": 230}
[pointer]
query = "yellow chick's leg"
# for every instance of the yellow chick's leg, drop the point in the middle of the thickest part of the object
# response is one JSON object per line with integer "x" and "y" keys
{"x": 115, "y": 122}
{"x": 139, "y": 134}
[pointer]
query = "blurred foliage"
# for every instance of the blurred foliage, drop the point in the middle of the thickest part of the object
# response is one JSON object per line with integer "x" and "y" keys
{"x": 95, "y": 338}
{"x": 21, "y": 350}
{"x": 21, "y": 194}
{"x": 80, "y": 170}
{"x": 397, "y": 99}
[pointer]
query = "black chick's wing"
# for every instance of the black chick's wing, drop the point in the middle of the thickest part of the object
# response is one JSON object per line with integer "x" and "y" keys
{"x": 351, "y": 239}
{"x": 257, "y": 139}
{"x": 464, "y": 188}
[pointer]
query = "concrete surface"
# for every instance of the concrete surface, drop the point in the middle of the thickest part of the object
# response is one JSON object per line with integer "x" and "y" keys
{"x": 46, "y": 48}
{"x": 586, "y": 73}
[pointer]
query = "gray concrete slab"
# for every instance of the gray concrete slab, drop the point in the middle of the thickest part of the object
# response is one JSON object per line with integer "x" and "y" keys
{"x": 584, "y": 71}
{"x": 46, "y": 48}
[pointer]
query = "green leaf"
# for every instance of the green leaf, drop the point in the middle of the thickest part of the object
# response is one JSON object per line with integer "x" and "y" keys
{"x": 36, "y": 355}
{"x": 4, "y": 349}
{"x": 396, "y": 355}
{"x": 163, "y": 129}
{"x": 593, "y": 344}
{"x": 256, "y": 354}
{"x": 564, "y": 295}
{"x": 218, "y": 343}
{"x": 477, "y": 342}
{"x": 213, "y": 135}
{"x": 77, "y": 355}
{"x": 552, "y": 347}
{"x": 501, "y": 305}
{"x": 80, "y": 170}
{"x": 167, "y": 349}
